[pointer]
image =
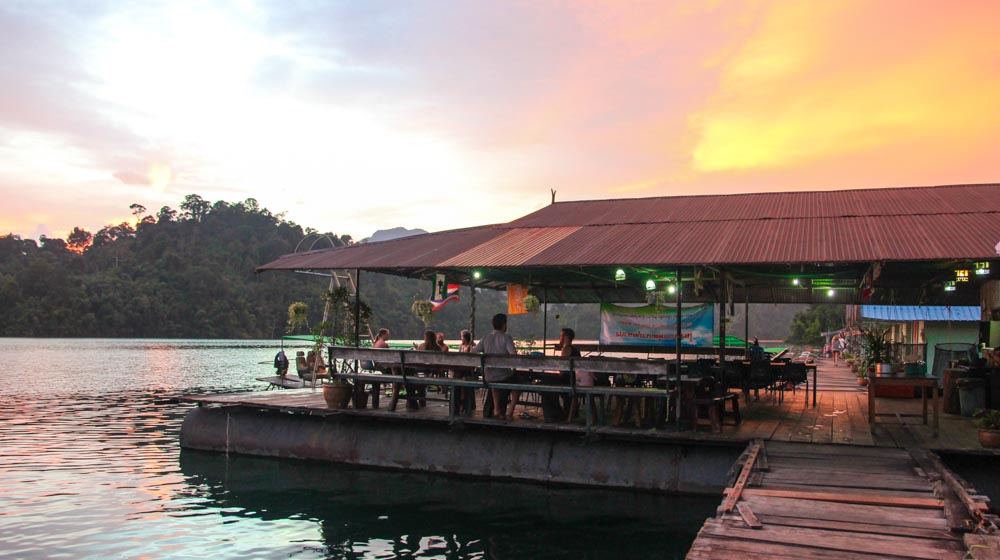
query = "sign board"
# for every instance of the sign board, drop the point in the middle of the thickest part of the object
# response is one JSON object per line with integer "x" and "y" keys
{"x": 649, "y": 325}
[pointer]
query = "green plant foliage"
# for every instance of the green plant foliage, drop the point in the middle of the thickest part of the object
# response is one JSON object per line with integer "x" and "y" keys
{"x": 190, "y": 274}
{"x": 298, "y": 316}
{"x": 987, "y": 419}
{"x": 807, "y": 325}
{"x": 423, "y": 309}
{"x": 874, "y": 344}
{"x": 531, "y": 304}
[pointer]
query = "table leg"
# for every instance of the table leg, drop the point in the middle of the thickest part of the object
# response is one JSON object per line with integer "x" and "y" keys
{"x": 936, "y": 403}
{"x": 923, "y": 402}
{"x": 814, "y": 387}
{"x": 871, "y": 404}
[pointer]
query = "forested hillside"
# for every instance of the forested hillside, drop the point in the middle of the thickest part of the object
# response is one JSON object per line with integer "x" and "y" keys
{"x": 189, "y": 273}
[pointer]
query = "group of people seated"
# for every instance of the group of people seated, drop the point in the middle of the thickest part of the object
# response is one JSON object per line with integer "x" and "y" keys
{"x": 308, "y": 364}
{"x": 499, "y": 403}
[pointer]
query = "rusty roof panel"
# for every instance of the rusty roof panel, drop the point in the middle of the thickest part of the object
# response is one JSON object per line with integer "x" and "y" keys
{"x": 418, "y": 251}
{"x": 916, "y": 223}
{"x": 860, "y": 239}
{"x": 512, "y": 248}
{"x": 783, "y": 205}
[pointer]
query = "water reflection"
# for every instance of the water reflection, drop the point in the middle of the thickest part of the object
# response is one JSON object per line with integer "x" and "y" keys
{"x": 90, "y": 467}
{"x": 381, "y": 514}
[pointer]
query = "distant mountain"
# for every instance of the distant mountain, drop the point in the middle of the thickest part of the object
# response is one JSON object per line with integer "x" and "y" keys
{"x": 394, "y": 233}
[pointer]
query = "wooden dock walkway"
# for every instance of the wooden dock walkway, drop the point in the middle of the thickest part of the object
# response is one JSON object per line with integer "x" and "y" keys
{"x": 840, "y": 417}
{"x": 807, "y": 501}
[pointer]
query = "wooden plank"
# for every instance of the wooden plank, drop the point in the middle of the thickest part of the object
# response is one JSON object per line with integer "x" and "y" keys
{"x": 841, "y": 429}
{"x": 845, "y": 497}
{"x": 809, "y": 488}
{"x": 857, "y": 410}
{"x": 762, "y": 464}
{"x": 926, "y": 549}
{"x": 822, "y": 428}
{"x": 959, "y": 518}
{"x": 982, "y": 547}
{"x": 856, "y": 527}
{"x": 839, "y": 511}
{"x": 834, "y": 511}
{"x": 709, "y": 547}
{"x": 748, "y": 516}
{"x": 856, "y": 479}
{"x": 843, "y": 463}
{"x": 954, "y": 489}
{"x": 733, "y": 494}
{"x": 784, "y": 448}
{"x": 832, "y": 483}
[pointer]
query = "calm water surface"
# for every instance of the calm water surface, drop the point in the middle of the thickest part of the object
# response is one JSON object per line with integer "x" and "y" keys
{"x": 90, "y": 467}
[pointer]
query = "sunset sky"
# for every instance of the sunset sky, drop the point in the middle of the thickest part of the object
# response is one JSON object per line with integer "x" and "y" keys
{"x": 356, "y": 116}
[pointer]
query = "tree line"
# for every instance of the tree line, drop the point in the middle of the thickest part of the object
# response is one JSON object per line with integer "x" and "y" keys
{"x": 189, "y": 273}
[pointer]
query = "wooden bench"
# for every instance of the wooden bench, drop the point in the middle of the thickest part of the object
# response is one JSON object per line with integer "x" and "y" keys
{"x": 400, "y": 362}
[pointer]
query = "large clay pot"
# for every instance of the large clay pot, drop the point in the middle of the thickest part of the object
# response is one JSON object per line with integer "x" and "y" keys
{"x": 337, "y": 396}
{"x": 989, "y": 438}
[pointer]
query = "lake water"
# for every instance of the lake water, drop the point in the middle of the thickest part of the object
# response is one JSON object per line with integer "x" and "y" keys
{"x": 90, "y": 467}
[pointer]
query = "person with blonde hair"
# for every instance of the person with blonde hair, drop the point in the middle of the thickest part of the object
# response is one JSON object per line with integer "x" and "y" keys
{"x": 838, "y": 347}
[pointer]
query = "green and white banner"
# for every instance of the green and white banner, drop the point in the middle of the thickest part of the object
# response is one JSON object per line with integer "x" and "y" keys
{"x": 649, "y": 325}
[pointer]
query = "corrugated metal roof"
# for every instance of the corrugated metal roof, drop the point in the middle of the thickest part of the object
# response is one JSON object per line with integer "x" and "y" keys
{"x": 513, "y": 248}
{"x": 906, "y": 201}
{"x": 417, "y": 251}
{"x": 902, "y": 224}
{"x": 920, "y": 313}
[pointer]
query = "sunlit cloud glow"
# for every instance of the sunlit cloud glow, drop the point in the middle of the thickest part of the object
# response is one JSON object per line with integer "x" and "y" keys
{"x": 351, "y": 117}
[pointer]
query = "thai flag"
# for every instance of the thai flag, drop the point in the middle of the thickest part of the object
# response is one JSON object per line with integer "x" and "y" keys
{"x": 451, "y": 294}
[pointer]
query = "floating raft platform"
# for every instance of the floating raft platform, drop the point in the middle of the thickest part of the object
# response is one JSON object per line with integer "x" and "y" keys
{"x": 807, "y": 501}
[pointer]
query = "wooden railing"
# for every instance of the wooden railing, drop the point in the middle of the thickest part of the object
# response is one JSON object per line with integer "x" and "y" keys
{"x": 401, "y": 364}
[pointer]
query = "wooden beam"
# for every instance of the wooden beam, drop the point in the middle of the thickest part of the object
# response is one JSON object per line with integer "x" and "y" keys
{"x": 848, "y": 498}
{"x": 733, "y": 494}
{"x": 748, "y": 517}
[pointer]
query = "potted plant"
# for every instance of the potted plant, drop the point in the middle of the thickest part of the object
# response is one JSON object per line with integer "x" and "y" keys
{"x": 862, "y": 376}
{"x": 531, "y": 304}
{"x": 988, "y": 422}
{"x": 340, "y": 326}
{"x": 875, "y": 342}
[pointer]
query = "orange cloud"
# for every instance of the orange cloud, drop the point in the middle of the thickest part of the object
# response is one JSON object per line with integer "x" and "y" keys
{"x": 834, "y": 81}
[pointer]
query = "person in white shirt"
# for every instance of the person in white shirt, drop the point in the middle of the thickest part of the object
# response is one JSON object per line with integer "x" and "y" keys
{"x": 499, "y": 342}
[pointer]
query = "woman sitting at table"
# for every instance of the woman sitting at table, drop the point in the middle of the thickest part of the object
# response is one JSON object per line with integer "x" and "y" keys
{"x": 430, "y": 343}
{"x": 466, "y": 401}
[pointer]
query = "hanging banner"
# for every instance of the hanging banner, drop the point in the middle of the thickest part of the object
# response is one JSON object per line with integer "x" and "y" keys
{"x": 439, "y": 289}
{"x": 515, "y": 299}
{"x": 648, "y": 325}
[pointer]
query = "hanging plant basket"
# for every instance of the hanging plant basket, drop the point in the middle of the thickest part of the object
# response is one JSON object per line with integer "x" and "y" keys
{"x": 423, "y": 309}
{"x": 531, "y": 304}
{"x": 298, "y": 315}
